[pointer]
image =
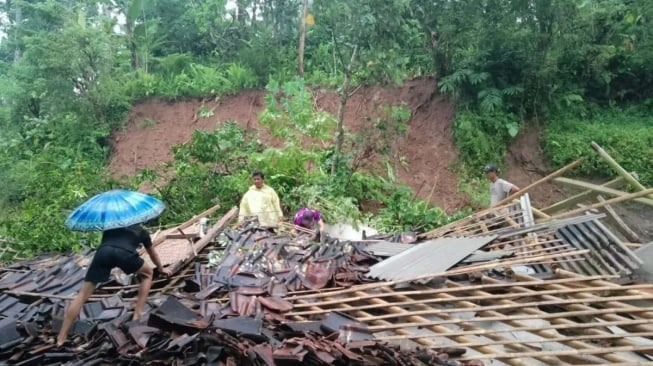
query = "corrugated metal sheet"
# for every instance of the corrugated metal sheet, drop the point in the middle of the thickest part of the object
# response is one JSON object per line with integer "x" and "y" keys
{"x": 608, "y": 254}
{"x": 430, "y": 257}
{"x": 386, "y": 248}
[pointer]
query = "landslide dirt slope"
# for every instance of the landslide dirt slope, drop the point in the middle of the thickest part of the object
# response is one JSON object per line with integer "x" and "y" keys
{"x": 154, "y": 125}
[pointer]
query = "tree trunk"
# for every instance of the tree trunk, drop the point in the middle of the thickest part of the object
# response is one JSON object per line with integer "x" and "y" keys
{"x": 18, "y": 19}
{"x": 302, "y": 39}
{"x": 344, "y": 96}
{"x": 242, "y": 12}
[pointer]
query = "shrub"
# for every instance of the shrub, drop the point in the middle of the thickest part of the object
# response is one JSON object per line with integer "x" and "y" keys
{"x": 482, "y": 138}
{"x": 627, "y": 137}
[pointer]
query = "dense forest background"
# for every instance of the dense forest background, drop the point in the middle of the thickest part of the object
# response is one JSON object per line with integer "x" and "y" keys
{"x": 581, "y": 70}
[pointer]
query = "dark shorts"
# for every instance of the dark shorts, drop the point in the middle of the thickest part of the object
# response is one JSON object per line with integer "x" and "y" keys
{"x": 109, "y": 257}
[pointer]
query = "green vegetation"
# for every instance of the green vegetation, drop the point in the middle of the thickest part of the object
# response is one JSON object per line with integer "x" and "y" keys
{"x": 218, "y": 164}
{"x": 70, "y": 70}
{"x": 627, "y": 137}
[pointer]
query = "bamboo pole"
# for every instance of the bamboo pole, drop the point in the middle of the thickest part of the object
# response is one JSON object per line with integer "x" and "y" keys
{"x": 614, "y": 165}
{"x": 582, "y": 210}
{"x": 578, "y": 198}
{"x": 539, "y": 213}
{"x": 469, "y": 221}
{"x": 618, "y": 222}
{"x": 600, "y": 189}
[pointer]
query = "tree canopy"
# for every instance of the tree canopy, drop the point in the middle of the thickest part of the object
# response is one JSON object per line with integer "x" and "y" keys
{"x": 70, "y": 70}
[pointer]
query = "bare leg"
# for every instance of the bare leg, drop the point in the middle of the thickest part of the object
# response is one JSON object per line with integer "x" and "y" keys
{"x": 146, "y": 274}
{"x": 73, "y": 310}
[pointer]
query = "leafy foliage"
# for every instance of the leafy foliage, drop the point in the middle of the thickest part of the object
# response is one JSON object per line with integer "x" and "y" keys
{"x": 626, "y": 136}
{"x": 70, "y": 71}
{"x": 289, "y": 114}
{"x": 482, "y": 138}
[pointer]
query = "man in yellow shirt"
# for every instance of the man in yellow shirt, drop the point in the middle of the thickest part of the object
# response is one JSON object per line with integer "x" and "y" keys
{"x": 261, "y": 201}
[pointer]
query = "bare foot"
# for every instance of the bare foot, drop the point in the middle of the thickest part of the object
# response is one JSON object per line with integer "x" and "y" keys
{"x": 136, "y": 316}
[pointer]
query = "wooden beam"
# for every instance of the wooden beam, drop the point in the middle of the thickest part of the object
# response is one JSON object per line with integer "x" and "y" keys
{"x": 433, "y": 292}
{"x": 159, "y": 239}
{"x": 529, "y": 187}
{"x": 614, "y": 165}
{"x": 447, "y": 332}
{"x": 511, "y": 306}
{"x": 600, "y": 189}
{"x": 575, "y": 352}
{"x": 627, "y": 197}
{"x": 541, "y": 340}
{"x": 587, "y": 195}
{"x": 210, "y": 235}
{"x": 504, "y": 318}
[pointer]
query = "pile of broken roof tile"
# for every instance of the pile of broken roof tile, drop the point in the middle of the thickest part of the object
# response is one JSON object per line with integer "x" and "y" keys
{"x": 258, "y": 268}
{"x": 227, "y": 314}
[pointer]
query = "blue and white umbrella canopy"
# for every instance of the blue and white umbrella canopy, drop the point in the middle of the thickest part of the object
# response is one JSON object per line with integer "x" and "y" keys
{"x": 114, "y": 209}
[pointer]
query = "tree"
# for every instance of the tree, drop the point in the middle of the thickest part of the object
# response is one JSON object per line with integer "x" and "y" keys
{"x": 302, "y": 38}
{"x": 357, "y": 30}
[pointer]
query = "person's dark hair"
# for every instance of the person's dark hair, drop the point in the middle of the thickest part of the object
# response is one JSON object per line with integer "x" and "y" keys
{"x": 491, "y": 168}
{"x": 258, "y": 174}
{"x": 308, "y": 215}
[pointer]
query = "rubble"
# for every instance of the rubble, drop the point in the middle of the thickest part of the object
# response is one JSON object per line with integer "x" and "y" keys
{"x": 508, "y": 285}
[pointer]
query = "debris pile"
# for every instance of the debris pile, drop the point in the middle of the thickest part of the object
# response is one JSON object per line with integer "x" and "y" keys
{"x": 508, "y": 285}
{"x": 259, "y": 268}
{"x": 228, "y": 313}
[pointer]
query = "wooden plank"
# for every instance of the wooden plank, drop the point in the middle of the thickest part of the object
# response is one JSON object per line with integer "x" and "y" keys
{"x": 468, "y": 325}
{"x": 620, "y": 170}
{"x": 439, "y": 329}
{"x": 512, "y": 306}
{"x": 600, "y": 189}
{"x": 587, "y": 195}
{"x": 503, "y": 318}
{"x": 210, "y": 235}
{"x": 575, "y": 352}
{"x": 494, "y": 297}
{"x": 593, "y": 337}
{"x": 537, "y": 313}
{"x": 616, "y": 220}
{"x": 576, "y": 326}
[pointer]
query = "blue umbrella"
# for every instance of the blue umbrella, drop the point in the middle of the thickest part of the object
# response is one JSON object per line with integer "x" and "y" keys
{"x": 114, "y": 209}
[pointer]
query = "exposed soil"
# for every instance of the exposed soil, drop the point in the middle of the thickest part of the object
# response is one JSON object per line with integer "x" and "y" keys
{"x": 428, "y": 151}
{"x": 526, "y": 164}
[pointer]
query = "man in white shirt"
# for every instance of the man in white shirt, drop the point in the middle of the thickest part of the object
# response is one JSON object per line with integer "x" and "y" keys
{"x": 499, "y": 188}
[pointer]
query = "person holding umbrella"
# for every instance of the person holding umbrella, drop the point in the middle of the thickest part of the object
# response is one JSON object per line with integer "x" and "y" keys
{"x": 118, "y": 214}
